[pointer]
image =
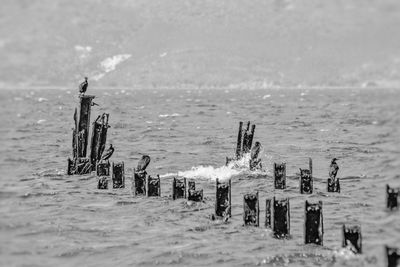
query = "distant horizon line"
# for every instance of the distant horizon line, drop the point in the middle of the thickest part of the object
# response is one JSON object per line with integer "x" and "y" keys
{"x": 12, "y": 88}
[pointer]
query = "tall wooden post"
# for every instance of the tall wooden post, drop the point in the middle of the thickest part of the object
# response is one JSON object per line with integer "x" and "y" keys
{"x": 82, "y": 125}
{"x": 239, "y": 142}
{"x": 80, "y": 135}
{"x": 99, "y": 138}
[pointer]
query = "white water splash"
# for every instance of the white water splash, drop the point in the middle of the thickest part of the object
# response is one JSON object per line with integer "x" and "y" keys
{"x": 234, "y": 168}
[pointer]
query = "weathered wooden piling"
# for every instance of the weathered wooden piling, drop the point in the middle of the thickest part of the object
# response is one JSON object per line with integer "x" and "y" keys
{"x": 278, "y": 216}
{"x": 248, "y": 138}
{"x": 153, "y": 186}
{"x": 193, "y": 194}
{"x": 99, "y": 138}
{"x": 178, "y": 188}
{"x": 103, "y": 168}
{"x": 239, "y": 142}
{"x": 244, "y": 140}
{"x": 139, "y": 182}
{"x": 280, "y": 175}
{"x": 352, "y": 238}
{"x": 281, "y": 225}
{"x": 83, "y": 124}
{"x": 313, "y": 223}
{"x": 251, "y": 210}
{"x": 118, "y": 175}
{"x": 306, "y": 182}
{"x": 102, "y": 183}
{"x": 392, "y": 195}
{"x": 333, "y": 185}
{"x": 223, "y": 198}
{"x": 268, "y": 213}
{"x": 393, "y": 256}
{"x": 80, "y": 134}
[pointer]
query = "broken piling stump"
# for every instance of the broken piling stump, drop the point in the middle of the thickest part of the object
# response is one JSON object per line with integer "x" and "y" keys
{"x": 393, "y": 256}
{"x": 118, "y": 175}
{"x": 178, "y": 188}
{"x": 306, "y": 182}
{"x": 280, "y": 175}
{"x": 313, "y": 224}
{"x": 103, "y": 168}
{"x": 223, "y": 198}
{"x": 153, "y": 186}
{"x": 251, "y": 211}
{"x": 352, "y": 238}
{"x": 333, "y": 185}
{"x": 392, "y": 195}
{"x": 279, "y": 210}
{"x": 281, "y": 225}
{"x": 193, "y": 194}
{"x": 139, "y": 182}
{"x": 102, "y": 183}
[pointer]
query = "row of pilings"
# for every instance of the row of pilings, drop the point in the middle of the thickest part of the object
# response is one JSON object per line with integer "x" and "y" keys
{"x": 277, "y": 213}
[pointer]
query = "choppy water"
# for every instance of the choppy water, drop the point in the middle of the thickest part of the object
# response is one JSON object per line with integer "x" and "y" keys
{"x": 50, "y": 219}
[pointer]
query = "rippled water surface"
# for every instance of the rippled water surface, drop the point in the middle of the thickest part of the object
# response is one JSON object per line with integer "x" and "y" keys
{"x": 50, "y": 219}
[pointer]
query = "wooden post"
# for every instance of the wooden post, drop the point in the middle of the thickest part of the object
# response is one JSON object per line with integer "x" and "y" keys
{"x": 352, "y": 238}
{"x": 118, "y": 175}
{"x": 251, "y": 211}
{"x": 306, "y": 182}
{"x": 313, "y": 223}
{"x": 178, "y": 188}
{"x": 153, "y": 188}
{"x": 334, "y": 185}
{"x": 99, "y": 138}
{"x": 139, "y": 182}
{"x": 268, "y": 213}
{"x": 392, "y": 195}
{"x": 281, "y": 225}
{"x": 103, "y": 168}
{"x": 223, "y": 198}
{"x": 83, "y": 123}
{"x": 102, "y": 183}
{"x": 79, "y": 164}
{"x": 280, "y": 175}
{"x": 310, "y": 166}
{"x": 393, "y": 256}
{"x": 239, "y": 142}
{"x": 193, "y": 194}
{"x": 250, "y": 138}
{"x": 245, "y": 148}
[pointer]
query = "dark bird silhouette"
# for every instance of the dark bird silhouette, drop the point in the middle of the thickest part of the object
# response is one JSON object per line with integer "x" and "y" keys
{"x": 333, "y": 169}
{"x": 108, "y": 153}
{"x": 143, "y": 163}
{"x": 83, "y": 86}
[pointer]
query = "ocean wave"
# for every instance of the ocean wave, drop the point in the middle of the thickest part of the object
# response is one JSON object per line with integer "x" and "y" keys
{"x": 234, "y": 168}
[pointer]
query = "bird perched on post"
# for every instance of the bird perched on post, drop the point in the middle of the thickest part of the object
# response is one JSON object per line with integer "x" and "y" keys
{"x": 83, "y": 86}
{"x": 143, "y": 163}
{"x": 333, "y": 169}
{"x": 108, "y": 153}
